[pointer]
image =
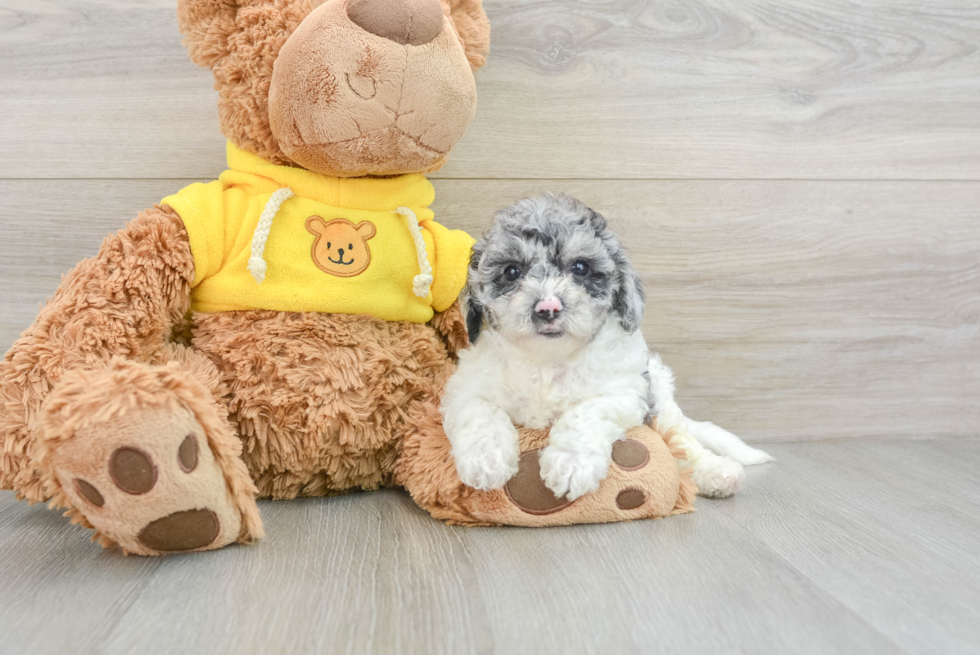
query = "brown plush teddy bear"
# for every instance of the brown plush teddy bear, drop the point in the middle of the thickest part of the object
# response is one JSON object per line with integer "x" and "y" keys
{"x": 287, "y": 329}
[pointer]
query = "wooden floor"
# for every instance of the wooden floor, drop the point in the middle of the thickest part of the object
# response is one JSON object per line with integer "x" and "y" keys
{"x": 798, "y": 183}
{"x": 866, "y": 546}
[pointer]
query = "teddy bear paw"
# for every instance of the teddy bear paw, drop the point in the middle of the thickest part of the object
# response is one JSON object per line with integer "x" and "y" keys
{"x": 149, "y": 482}
{"x": 642, "y": 481}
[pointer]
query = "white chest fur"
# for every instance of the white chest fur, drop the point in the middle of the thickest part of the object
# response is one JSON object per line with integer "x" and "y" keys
{"x": 536, "y": 391}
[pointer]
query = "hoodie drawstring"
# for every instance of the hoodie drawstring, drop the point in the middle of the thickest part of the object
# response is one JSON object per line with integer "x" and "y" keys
{"x": 256, "y": 262}
{"x": 421, "y": 283}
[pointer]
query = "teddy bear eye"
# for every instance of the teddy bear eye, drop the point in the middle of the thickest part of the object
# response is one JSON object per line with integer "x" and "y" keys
{"x": 350, "y": 246}
{"x": 328, "y": 244}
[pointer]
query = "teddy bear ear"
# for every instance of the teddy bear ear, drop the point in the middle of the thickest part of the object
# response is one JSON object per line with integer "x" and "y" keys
{"x": 366, "y": 229}
{"x": 473, "y": 27}
{"x": 315, "y": 225}
{"x": 206, "y": 26}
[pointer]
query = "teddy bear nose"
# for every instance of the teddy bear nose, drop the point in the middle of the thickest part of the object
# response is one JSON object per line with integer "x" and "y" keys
{"x": 411, "y": 22}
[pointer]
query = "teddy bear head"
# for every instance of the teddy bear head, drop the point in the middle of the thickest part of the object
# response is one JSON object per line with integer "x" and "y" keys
{"x": 345, "y": 88}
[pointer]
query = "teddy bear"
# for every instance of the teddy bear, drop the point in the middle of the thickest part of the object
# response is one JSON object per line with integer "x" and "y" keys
{"x": 287, "y": 329}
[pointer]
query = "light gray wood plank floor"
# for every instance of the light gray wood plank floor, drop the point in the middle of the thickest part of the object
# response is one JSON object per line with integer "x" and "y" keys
{"x": 853, "y": 546}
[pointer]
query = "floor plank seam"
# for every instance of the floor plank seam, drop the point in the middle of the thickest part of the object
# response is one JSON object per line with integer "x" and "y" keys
{"x": 762, "y": 443}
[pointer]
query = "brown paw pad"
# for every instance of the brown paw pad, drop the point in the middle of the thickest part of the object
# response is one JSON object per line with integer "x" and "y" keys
{"x": 630, "y": 499}
{"x": 89, "y": 492}
{"x": 187, "y": 454}
{"x": 132, "y": 470}
{"x": 630, "y": 454}
{"x": 527, "y": 490}
{"x": 188, "y": 530}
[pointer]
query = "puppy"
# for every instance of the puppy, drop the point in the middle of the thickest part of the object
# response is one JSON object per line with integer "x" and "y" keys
{"x": 553, "y": 313}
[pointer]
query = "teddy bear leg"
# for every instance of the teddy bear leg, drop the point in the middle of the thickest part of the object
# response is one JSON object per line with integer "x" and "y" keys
{"x": 143, "y": 455}
{"x": 643, "y": 481}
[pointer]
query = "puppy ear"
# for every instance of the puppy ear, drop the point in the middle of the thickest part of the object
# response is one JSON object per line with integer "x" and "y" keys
{"x": 474, "y": 319}
{"x": 629, "y": 300}
{"x": 596, "y": 220}
{"x": 474, "y": 309}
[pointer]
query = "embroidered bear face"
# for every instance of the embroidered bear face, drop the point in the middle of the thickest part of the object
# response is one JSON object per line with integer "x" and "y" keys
{"x": 341, "y": 248}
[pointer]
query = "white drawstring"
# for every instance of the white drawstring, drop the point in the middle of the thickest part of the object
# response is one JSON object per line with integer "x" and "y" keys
{"x": 422, "y": 281}
{"x": 256, "y": 263}
{"x": 257, "y": 266}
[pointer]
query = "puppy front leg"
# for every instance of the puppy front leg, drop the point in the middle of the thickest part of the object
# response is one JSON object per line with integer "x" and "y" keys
{"x": 580, "y": 446}
{"x": 485, "y": 443}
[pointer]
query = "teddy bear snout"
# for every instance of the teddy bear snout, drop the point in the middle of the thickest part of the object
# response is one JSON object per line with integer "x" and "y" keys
{"x": 408, "y": 22}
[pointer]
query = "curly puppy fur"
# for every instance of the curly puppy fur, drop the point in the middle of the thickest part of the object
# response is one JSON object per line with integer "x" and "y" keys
{"x": 554, "y": 311}
{"x": 561, "y": 348}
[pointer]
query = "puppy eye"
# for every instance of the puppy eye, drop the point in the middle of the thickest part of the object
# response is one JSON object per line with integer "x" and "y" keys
{"x": 580, "y": 268}
{"x": 512, "y": 273}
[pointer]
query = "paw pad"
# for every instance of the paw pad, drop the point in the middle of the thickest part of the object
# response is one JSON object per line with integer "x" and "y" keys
{"x": 528, "y": 491}
{"x": 630, "y": 454}
{"x": 188, "y": 530}
{"x": 187, "y": 454}
{"x": 132, "y": 470}
{"x": 89, "y": 492}
{"x": 630, "y": 499}
{"x": 150, "y": 482}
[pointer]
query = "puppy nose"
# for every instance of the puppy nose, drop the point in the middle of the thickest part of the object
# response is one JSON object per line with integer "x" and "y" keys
{"x": 548, "y": 308}
{"x": 411, "y": 22}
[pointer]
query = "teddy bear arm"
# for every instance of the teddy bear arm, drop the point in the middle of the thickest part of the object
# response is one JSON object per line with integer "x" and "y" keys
{"x": 450, "y": 325}
{"x": 126, "y": 301}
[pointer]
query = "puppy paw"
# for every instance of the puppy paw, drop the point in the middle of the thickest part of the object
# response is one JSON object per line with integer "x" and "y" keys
{"x": 717, "y": 477}
{"x": 572, "y": 472}
{"x": 487, "y": 463}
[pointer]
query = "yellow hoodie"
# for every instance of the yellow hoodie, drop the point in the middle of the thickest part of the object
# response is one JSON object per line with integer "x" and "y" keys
{"x": 275, "y": 237}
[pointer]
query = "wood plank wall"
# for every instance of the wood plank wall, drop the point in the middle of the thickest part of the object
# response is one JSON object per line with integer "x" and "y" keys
{"x": 798, "y": 182}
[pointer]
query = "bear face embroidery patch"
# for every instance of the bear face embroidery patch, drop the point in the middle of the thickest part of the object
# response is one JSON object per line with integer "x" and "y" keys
{"x": 341, "y": 248}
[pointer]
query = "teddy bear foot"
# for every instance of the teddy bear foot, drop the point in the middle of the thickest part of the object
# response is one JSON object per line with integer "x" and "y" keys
{"x": 643, "y": 481}
{"x": 145, "y": 477}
